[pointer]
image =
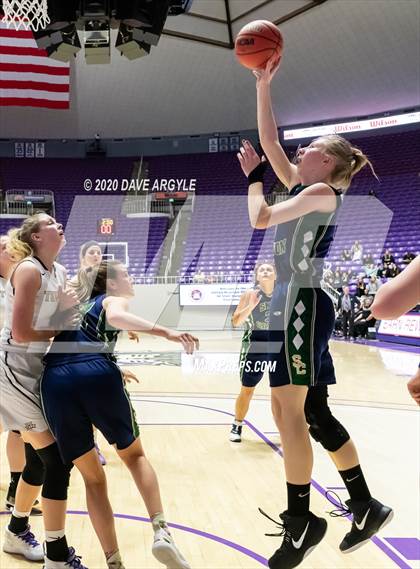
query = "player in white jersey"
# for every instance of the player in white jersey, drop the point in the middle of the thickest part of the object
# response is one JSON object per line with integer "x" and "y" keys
{"x": 34, "y": 295}
{"x": 15, "y": 449}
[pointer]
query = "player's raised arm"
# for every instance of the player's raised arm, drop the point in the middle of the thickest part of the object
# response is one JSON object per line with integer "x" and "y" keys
{"x": 267, "y": 127}
{"x": 316, "y": 197}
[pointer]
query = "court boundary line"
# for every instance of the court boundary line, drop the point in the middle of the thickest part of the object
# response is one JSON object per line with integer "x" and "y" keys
{"x": 200, "y": 533}
{"x": 412, "y": 408}
{"x": 376, "y": 540}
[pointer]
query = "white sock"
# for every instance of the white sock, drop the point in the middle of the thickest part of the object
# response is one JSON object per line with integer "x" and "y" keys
{"x": 54, "y": 535}
{"x": 18, "y": 514}
{"x": 114, "y": 557}
{"x": 159, "y": 522}
{"x": 237, "y": 423}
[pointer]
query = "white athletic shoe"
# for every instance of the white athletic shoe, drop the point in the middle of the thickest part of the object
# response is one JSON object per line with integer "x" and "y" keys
{"x": 236, "y": 433}
{"x": 115, "y": 562}
{"x": 165, "y": 551}
{"x": 23, "y": 544}
{"x": 115, "y": 565}
{"x": 73, "y": 562}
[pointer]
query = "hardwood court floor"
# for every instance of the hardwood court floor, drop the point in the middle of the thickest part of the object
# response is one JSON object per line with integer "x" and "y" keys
{"x": 212, "y": 488}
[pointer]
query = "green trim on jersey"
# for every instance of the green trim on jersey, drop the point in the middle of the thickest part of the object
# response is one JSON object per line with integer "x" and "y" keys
{"x": 300, "y": 316}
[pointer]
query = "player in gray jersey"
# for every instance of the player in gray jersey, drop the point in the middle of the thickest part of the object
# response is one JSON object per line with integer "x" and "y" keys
{"x": 15, "y": 449}
{"x": 34, "y": 294}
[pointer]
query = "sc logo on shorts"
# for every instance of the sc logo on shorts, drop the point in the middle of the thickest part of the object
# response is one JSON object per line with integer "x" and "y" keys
{"x": 298, "y": 364}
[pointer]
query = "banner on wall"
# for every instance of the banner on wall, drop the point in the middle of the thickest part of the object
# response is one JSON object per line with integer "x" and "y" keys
{"x": 223, "y": 294}
{"x": 29, "y": 150}
{"x": 404, "y": 329}
{"x": 19, "y": 150}
{"x": 352, "y": 126}
{"x": 40, "y": 150}
{"x": 224, "y": 143}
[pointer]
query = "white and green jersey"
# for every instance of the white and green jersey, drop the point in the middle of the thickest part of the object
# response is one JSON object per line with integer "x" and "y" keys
{"x": 258, "y": 322}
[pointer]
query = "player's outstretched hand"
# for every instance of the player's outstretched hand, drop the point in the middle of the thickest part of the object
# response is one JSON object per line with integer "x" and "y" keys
{"x": 248, "y": 158}
{"x": 134, "y": 336}
{"x": 265, "y": 75}
{"x": 129, "y": 376}
{"x": 188, "y": 341}
{"x": 67, "y": 299}
{"x": 414, "y": 387}
{"x": 254, "y": 298}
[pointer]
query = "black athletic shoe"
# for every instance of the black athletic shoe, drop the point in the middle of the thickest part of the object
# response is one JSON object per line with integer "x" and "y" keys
{"x": 10, "y": 504}
{"x": 236, "y": 434}
{"x": 368, "y": 518}
{"x": 301, "y": 534}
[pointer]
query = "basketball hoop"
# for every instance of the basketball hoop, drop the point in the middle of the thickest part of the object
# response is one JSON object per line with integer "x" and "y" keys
{"x": 26, "y": 14}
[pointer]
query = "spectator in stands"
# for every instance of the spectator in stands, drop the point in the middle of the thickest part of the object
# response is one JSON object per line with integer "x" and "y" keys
{"x": 360, "y": 288}
{"x": 345, "y": 278}
{"x": 356, "y": 251}
{"x": 392, "y": 271}
{"x": 408, "y": 257}
{"x": 380, "y": 271}
{"x": 200, "y": 276}
{"x": 373, "y": 286}
{"x": 368, "y": 260}
{"x": 387, "y": 258}
{"x": 364, "y": 319}
{"x": 337, "y": 283}
{"x": 346, "y": 255}
{"x": 346, "y": 306}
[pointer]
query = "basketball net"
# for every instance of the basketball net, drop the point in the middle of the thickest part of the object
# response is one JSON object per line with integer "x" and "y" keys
{"x": 26, "y": 14}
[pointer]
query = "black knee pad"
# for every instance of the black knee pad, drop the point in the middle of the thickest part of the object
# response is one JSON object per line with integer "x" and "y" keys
{"x": 57, "y": 474}
{"x": 332, "y": 435}
{"x": 323, "y": 426}
{"x": 34, "y": 470}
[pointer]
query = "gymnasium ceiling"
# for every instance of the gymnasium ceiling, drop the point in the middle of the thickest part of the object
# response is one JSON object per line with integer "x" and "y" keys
{"x": 342, "y": 58}
{"x": 216, "y": 22}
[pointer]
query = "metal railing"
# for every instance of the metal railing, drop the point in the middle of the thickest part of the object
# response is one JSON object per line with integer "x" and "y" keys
{"x": 144, "y": 204}
{"x": 331, "y": 291}
{"x": 194, "y": 279}
{"x": 26, "y": 202}
{"x": 217, "y": 279}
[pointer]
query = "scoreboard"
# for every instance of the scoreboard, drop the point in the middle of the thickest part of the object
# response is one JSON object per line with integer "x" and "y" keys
{"x": 106, "y": 226}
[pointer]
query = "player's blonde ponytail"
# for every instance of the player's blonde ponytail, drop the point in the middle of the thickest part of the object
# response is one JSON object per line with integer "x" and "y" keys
{"x": 19, "y": 243}
{"x": 349, "y": 160}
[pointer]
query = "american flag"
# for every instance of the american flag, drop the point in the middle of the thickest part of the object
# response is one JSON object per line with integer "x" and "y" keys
{"x": 28, "y": 77}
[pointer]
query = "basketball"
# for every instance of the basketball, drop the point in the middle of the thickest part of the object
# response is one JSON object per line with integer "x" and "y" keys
{"x": 257, "y": 42}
